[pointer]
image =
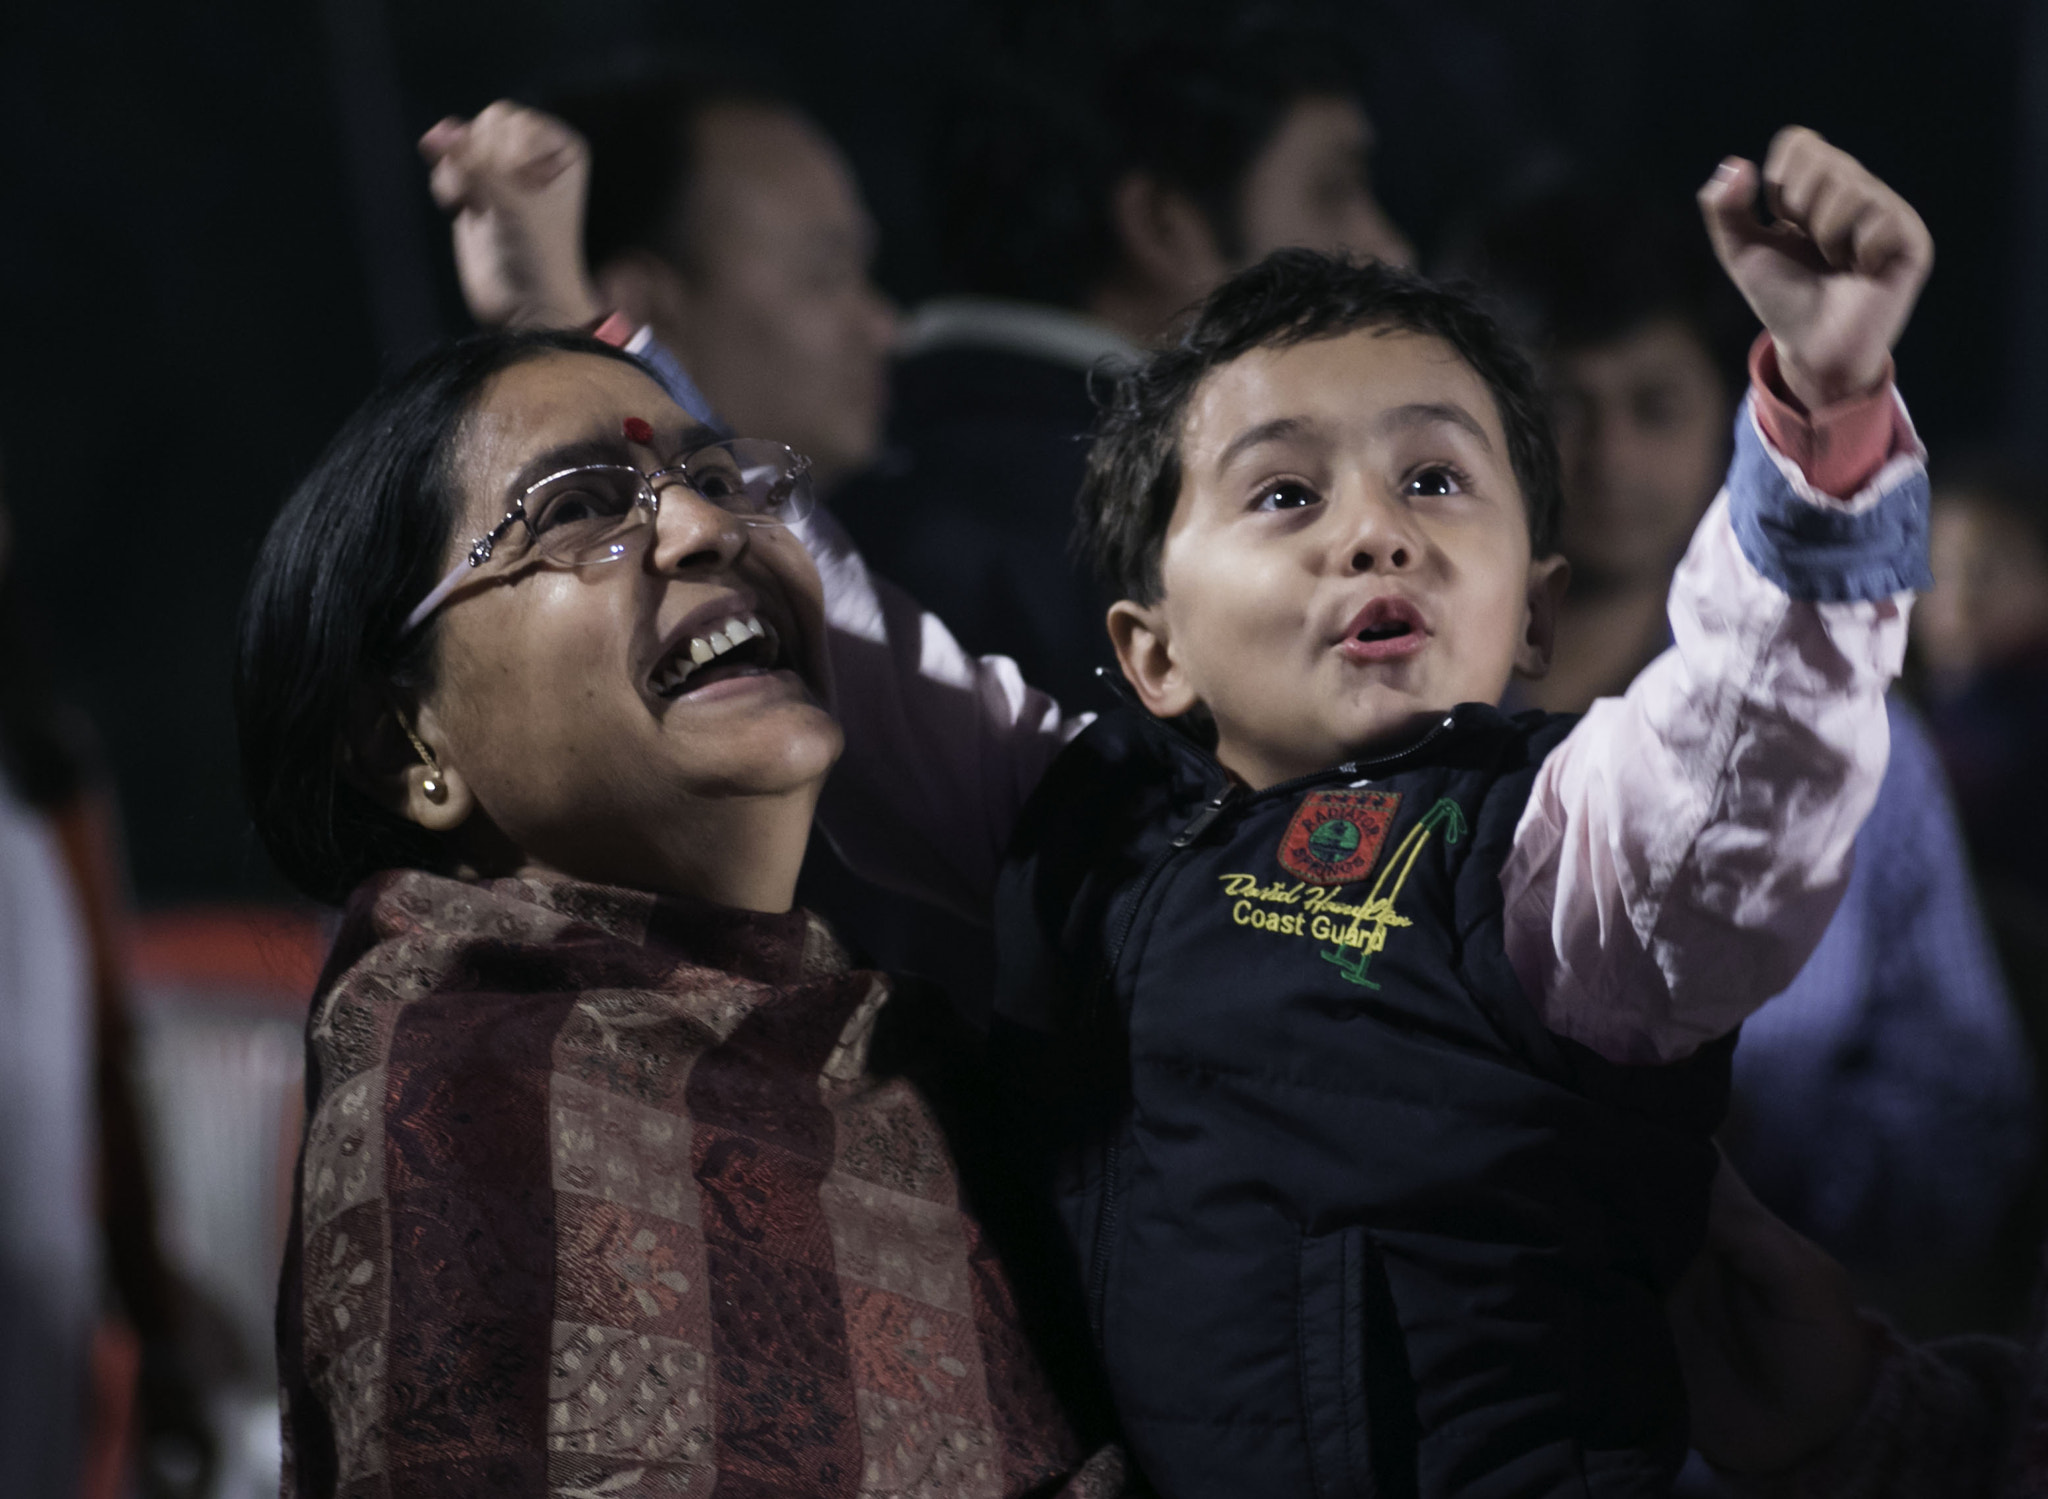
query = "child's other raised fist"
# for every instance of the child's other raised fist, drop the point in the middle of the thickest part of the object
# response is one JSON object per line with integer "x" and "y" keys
{"x": 514, "y": 181}
{"x": 1835, "y": 278}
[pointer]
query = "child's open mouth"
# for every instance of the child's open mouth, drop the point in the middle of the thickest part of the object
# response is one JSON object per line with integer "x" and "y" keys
{"x": 1386, "y": 629}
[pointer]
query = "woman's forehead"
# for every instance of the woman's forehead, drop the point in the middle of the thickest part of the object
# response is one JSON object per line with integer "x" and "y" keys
{"x": 562, "y": 401}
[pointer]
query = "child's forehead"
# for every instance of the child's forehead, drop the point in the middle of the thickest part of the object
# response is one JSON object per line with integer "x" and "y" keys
{"x": 1344, "y": 382}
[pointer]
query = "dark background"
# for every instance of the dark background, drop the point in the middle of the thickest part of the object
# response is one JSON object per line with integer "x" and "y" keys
{"x": 214, "y": 233}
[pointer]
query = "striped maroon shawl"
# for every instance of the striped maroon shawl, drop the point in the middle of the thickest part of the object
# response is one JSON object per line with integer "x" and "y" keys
{"x": 598, "y": 1196}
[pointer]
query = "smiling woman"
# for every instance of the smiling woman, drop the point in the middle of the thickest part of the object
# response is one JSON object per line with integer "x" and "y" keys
{"x": 363, "y": 680}
{"x": 616, "y": 1175}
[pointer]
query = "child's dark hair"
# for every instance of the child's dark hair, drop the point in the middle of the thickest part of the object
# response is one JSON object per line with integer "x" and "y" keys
{"x": 1290, "y": 297}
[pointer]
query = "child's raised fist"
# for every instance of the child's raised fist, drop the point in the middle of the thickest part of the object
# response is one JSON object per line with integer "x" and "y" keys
{"x": 514, "y": 181}
{"x": 1835, "y": 278}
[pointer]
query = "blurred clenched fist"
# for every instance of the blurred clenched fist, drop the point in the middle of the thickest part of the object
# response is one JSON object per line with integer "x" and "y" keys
{"x": 514, "y": 181}
{"x": 1835, "y": 277}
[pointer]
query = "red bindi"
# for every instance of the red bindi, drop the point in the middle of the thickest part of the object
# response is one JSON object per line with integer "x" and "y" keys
{"x": 637, "y": 430}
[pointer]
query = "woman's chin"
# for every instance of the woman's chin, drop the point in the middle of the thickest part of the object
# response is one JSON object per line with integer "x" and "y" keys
{"x": 809, "y": 754}
{"x": 787, "y": 746}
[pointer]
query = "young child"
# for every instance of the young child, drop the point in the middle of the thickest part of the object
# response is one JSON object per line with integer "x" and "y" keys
{"x": 1369, "y": 1042}
{"x": 1378, "y": 1048}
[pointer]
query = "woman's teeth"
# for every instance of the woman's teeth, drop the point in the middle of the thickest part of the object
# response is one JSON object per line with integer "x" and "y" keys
{"x": 702, "y": 650}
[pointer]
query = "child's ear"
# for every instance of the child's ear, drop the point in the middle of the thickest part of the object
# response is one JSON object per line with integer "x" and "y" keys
{"x": 1144, "y": 649}
{"x": 1548, "y": 579}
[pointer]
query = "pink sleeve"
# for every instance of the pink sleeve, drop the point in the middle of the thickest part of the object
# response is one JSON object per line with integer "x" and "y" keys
{"x": 1839, "y": 448}
{"x": 1687, "y": 844}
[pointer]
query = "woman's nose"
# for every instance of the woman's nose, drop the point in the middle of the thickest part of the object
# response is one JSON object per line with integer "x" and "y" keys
{"x": 690, "y": 531}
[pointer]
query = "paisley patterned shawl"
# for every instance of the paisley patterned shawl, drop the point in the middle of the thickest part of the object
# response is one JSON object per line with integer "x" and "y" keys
{"x": 599, "y": 1196}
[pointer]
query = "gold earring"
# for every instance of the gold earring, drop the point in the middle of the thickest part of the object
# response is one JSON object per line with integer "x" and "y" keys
{"x": 433, "y": 786}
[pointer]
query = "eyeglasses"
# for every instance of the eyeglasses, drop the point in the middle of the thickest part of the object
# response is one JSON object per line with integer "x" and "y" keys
{"x": 601, "y": 511}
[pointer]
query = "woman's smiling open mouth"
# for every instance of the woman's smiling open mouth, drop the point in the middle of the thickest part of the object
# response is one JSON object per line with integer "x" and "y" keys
{"x": 1387, "y": 629}
{"x": 743, "y": 645}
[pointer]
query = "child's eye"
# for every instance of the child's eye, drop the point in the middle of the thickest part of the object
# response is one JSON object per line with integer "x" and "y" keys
{"x": 1435, "y": 481}
{"x": 1286, "y": 494}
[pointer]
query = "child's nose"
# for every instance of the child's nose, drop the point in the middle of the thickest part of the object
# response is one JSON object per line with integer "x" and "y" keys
{"x": 1379, "y": 539}
{"x": 1393, "y": 559}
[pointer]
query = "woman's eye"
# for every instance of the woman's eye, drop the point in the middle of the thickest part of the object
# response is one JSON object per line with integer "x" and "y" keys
{"x": 566, "y": 511}
{"x": 1434, "y": 483}
{"x": 1288, "y": 494}
{"x": 584, "y": 505}
{"x": 716, "y": 477}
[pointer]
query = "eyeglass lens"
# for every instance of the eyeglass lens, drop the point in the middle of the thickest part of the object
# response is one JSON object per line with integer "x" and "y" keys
{"x": 586, "y": 514}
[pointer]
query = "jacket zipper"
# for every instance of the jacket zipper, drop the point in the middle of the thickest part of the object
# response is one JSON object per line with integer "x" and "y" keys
{"x": 1205, "y": 817}
{"x": 1437, "y": 731}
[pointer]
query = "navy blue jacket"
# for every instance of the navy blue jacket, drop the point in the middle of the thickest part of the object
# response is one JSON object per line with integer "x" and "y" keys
{"x": 1345, "y": 1218}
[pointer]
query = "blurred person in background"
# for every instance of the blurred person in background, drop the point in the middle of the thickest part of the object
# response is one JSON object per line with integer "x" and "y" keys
{"x": 1643, "y": 349}
{"x": 723, "y": 220}
{"x": 1883, "y": 1104}
{"x": 1982, "y": 638}
{"x": 1081, "y": 211}
{"x": 94, "y": 1363}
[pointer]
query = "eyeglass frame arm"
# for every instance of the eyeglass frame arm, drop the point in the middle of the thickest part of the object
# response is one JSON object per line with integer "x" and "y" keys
{"x": 479, "y": 553}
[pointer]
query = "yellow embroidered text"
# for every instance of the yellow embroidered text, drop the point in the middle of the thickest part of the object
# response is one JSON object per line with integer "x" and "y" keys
{"x": 1356, "y": 929}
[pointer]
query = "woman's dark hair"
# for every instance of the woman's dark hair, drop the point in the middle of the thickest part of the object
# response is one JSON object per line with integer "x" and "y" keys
{"x": 359, "y": 543}
{"x": 1291, "y": 297}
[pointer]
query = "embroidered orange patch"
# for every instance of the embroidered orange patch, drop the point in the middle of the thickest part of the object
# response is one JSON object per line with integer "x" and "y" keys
{"x": 1336, "y": 835}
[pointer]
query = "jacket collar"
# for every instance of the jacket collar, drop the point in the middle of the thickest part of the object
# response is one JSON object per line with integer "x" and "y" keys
{"x": 1179, "y": 745}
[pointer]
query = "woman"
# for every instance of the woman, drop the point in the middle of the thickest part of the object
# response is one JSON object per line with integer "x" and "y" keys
{"x": 615, "y": 1179}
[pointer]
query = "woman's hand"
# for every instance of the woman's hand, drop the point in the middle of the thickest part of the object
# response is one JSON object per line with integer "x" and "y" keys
{"x": 1778, "y": 1360}
{"x": 1836, "y": 277}
{"x": 514, "y": 181}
